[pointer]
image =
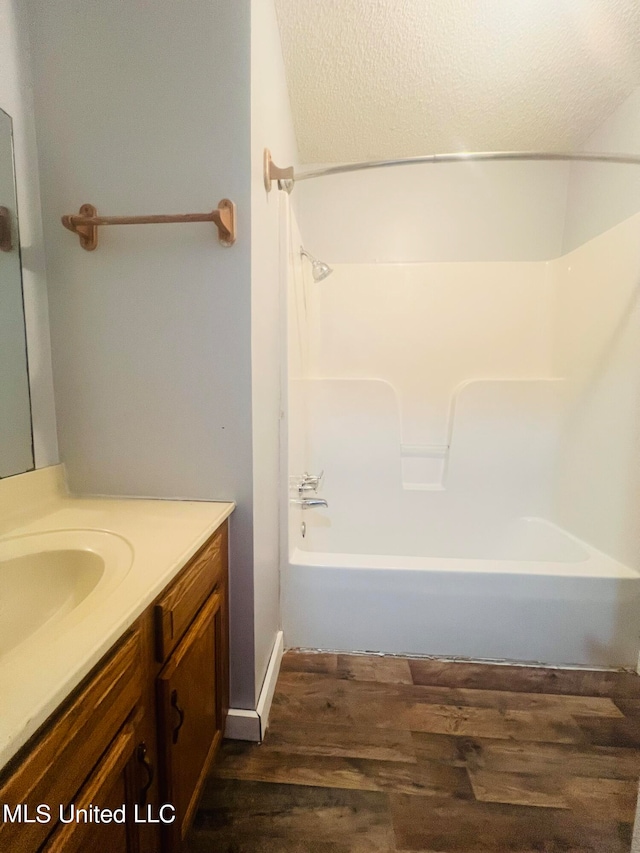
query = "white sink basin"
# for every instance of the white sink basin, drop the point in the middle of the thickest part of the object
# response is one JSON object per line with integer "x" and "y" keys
{"x": 56, "y": 576}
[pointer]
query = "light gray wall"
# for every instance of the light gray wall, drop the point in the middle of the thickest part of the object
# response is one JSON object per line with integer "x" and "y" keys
{"x": 601, "y": 196}
{"x": 16, "y": 99}
{"x": 145, "y": 108}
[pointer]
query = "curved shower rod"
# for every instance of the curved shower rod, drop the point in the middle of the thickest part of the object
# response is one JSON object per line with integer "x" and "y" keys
{"x": 286, "y": 178}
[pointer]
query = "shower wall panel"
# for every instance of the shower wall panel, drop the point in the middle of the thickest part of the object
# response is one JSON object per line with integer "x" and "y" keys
{"x": 597, "y": 350}
{"x": 499, "y": 467}
{"x": 426, "y": 328}
{"x": 450, "y": 212}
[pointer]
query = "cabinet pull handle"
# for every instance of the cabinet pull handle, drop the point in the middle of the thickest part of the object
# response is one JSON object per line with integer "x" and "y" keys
{"x": 141, "y": 755}
{"x": 176, "y": 707}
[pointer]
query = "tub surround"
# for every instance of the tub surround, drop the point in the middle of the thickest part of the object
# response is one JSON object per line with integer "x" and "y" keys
{"x": 479, "y": 449}
{"x": 41, "y": 671}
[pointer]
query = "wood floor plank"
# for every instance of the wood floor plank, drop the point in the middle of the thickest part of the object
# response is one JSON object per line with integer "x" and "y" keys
{"x": 606, "y": 732}
{"x": 245, "y": 813}
{"x": 530, "y": 679}
{"x": 457, "y": 826}
{"x": 588, "y": 706}
{"x": 629, "y": 706}
{"x": 519, "y": 789}
{"x": 303, "y": 697}
{"x": 421, "y": 779}
{"x": 304, "y": 684}
{"x": 542, "y": 759}
{"x": 312, "y": 738}
{"x": 600, "y": 799}
{"x": 321, "y": 662}
{"x": 309, "y": 694}
{"x": 333, "y": 701}
{"x": 489, "y": 723}
{"x": 447, "y": 749}
{"x": 384, "y": 669}
{"x": 603, "y": 799}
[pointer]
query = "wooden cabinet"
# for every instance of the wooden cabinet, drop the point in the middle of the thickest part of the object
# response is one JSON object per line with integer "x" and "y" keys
{"x": 190, "y": 718}
{"x": 140, "y": 732}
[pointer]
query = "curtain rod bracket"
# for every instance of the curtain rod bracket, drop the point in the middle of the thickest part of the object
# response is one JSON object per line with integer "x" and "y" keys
{"x": 284, "y": 177}
{"x": 86, "y": 222}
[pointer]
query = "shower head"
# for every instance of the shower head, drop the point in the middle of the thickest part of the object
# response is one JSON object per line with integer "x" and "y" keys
{"x": 319, "y": 270}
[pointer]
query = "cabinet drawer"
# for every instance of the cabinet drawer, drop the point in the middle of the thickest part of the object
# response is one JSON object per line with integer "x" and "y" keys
{"x": 177, "y": 608}
{"x": 62, "y": 758}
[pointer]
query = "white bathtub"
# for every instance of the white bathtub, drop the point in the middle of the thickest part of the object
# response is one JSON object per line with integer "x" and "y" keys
{"x": 537, "y": 594}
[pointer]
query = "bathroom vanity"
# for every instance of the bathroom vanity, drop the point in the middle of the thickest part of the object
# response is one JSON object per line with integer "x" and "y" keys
{"x": 117, "y": 706}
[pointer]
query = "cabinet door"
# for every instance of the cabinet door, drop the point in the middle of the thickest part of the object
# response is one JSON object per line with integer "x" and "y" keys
{"x": 112, "y": 785}
{"x": 189, "y": 716}
{"x": 56, "y": 766}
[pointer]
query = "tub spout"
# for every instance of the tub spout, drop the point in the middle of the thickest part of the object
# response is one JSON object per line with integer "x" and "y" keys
{"x": 306, "y": 503}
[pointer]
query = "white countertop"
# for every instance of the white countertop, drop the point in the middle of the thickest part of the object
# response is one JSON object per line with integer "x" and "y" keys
{"x": 37, "y": 675}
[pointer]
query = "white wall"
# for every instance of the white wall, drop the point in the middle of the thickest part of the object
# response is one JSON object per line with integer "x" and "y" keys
{"x": 603, "y": 195}
{"x": 446, "y": 212}
{"x": 17, "y": 100}
{"x": 145, "y": 108}
{"x": 271, "y": 127}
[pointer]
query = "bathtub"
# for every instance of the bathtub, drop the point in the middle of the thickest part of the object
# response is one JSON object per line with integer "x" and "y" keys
{"x": 531, "y": 593}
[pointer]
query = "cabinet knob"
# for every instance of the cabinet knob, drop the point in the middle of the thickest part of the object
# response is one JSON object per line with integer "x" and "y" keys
{"x": 180, "y": 712}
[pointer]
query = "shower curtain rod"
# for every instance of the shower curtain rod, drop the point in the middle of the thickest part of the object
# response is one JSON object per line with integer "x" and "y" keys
{"x": 286, "y": 178}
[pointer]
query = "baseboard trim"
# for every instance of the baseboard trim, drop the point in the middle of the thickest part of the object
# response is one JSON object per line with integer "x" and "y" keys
{"x": 242, "y": 725}
{"x": 251, "y": 725}
{"x": 269, "y": 683}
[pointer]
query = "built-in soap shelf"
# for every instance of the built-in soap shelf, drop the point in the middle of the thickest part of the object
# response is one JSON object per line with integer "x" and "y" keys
{"x": 423, "y": 466}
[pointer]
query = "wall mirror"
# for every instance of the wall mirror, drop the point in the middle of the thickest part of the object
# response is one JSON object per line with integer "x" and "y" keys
{"x": 16, "y": 436}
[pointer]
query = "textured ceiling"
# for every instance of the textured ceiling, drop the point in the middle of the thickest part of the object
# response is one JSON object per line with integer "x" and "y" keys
{"x": 387, "y": 78}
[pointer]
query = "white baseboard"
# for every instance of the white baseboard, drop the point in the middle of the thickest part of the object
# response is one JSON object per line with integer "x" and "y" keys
{"x": 252, "y": 725}
{"x": 242, "y": 725}
{"x": 269, "y": 683}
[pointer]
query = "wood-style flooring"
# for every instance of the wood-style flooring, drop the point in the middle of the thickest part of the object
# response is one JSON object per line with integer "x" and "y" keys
{"x": 369, "y": 754}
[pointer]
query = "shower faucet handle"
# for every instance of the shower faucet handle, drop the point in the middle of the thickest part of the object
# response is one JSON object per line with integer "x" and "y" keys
{"x": 307, "y": 503}
{"x": 310, "y": 482}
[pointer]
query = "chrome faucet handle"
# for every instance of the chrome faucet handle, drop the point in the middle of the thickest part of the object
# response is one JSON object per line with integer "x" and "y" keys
{"x": 307, "y": 482}
{"x": 307, "y": 503}
{"x": 304, "y": 486}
